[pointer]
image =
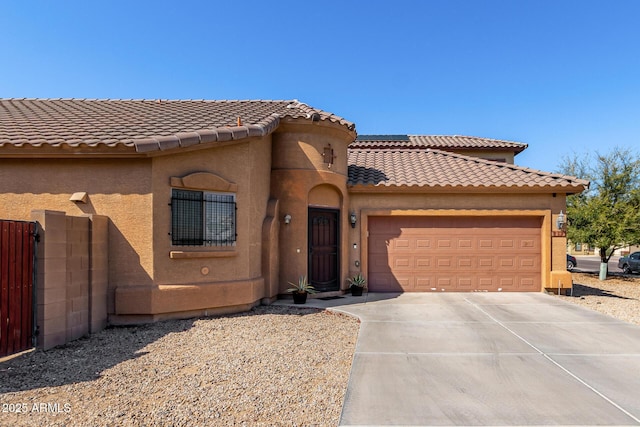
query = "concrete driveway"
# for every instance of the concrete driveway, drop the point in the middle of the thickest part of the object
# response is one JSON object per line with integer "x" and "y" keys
{"x": 489, "y": 359}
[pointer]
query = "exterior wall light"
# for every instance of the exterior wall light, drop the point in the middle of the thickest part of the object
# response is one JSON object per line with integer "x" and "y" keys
{"x": 561, "y": 221}
{"x": 353, "y": 219}
{"x": 80, "y": 197}
{"x": 287, "y": 219}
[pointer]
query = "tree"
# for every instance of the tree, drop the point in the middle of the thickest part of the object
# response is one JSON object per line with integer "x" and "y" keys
{"x": 607, "y": 215}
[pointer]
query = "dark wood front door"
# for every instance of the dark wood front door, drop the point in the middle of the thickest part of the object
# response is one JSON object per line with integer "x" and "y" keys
{"x": 324, "y": 249}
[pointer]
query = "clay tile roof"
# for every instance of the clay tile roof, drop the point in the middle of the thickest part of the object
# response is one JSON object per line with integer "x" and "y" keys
{"x": 442, "y": 170}
{"x": 441, "y": 142}
{"x": 144, "y": 125}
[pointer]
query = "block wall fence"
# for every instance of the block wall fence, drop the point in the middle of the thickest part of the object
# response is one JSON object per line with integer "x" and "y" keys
{"x": 71, "y": 276}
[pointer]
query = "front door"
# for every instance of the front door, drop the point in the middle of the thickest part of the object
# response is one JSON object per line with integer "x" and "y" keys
{"x": 324, "y": 249}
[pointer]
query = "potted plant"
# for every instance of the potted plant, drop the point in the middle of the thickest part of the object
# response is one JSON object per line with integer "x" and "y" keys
{"x": 300, "y": 290}
{"x": 357, "y": 283}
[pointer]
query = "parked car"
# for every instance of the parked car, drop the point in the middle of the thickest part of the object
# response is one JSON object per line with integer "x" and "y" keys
{"x": 630, "y": 263}
{"x": 571, "y": 262}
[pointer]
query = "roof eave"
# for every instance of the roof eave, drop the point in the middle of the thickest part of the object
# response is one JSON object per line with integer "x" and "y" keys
{"x": 384, "y": 188}
{"x": 47, "y": 150}
{"x": 206, "y": 136}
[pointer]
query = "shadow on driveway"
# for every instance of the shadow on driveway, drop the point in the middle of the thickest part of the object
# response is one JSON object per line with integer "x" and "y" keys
{"x": 584, "y": 290}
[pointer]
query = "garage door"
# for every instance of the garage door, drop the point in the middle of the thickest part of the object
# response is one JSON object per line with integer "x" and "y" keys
{"x": 424, "y": 254}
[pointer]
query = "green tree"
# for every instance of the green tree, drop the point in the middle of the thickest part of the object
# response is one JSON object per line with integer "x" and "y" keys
{"x": 607, "y": 215}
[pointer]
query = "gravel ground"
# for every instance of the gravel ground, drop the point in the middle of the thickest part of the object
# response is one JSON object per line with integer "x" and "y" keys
{"x": 271, "y": 366}
{"x": 618, "y": 296}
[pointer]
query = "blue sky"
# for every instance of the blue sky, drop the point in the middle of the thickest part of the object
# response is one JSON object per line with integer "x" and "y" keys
{"x": 561, "y": 76}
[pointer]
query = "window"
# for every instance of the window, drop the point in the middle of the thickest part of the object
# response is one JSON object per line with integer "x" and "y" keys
{"x": 200, "y": 218}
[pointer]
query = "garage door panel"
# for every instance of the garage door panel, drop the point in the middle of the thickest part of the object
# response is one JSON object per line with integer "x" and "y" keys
{"x": 402, "y": 263}
{"x": 465, "y": 244}
{"x": 401, "y": 244}
{"x": 378, "y": 245}
{"x": 444, "y": 283}
{"x": 506, "y": 281}
{"x": 528, "y": 263}
{"x": 378, "y": 262}
{"x": 485, "y": 282}
{"x": 423, "y": 284}
{"x": 507, "y": 244}
{"x": 527, "y": 282}
{"x": 444, "y": 244}
{"x": 484, "y": 244}
{"x": 423, "y": 243}
{"x": 485, "y": 263}
{"x": 465, "y": 283}
{"x": 399, "y": 282}
{"x": 444, "y": 262}
{"x": 454, "y": 254}
{"x": 387, "y": 282}
{"x": 508, "y": 263}
{"x": 465, "y": 262}
{"x": 424, "y": 262}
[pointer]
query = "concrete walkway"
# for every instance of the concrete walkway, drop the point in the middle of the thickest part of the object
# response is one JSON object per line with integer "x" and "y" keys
{"x": 488, "y": 359}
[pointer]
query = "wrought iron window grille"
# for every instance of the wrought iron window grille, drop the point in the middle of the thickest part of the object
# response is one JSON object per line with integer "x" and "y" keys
{"x": 201, "y": 218}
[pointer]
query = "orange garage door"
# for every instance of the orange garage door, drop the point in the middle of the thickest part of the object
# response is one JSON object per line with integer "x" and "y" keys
{"x": 424, "y": 254}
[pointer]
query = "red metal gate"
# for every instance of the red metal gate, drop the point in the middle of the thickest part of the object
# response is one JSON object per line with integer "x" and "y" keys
{"x": 17, "y": 249}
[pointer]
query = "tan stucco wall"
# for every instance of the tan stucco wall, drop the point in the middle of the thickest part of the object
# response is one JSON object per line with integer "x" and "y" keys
{"x": 119, "y": 189}
{"x": 197, "y": 278}
{"x": 506, "y": 156}
{"x": 300, "y": 146}
{"x": 545, "y": 206}
{"x": 247, "y": 165}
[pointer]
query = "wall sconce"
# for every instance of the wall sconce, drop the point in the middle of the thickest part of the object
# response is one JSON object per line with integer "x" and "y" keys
{"x": 353, "y": 219}
{"x": 560, "y": 221}
{"x": 287, "y": 219}
{"x": 355, "y": 246}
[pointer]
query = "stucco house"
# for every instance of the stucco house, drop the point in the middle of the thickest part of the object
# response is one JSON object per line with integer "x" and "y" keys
{"x": 205, "y": 207}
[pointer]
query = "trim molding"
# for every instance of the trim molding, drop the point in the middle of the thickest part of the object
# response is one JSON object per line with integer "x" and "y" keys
{"x": 204, "y": 181}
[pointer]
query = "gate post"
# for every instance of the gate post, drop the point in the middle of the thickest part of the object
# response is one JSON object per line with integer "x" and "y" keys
{"x": 51, "y": 278}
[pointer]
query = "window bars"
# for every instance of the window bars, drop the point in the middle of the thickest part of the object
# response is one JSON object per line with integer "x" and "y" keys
{"x": 202, "y": 219}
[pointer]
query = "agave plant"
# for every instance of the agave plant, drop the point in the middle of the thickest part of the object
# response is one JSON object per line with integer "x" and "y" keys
{"x": 302, "y": 286}
{"x": 357, "y": 280}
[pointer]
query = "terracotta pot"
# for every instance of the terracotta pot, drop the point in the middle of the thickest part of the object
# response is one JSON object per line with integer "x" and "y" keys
{"x": 299, "y": 297}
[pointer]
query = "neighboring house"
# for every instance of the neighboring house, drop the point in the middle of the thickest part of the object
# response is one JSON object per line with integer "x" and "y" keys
{"x": 585, "y": 249}
{"x": 213, "y": 206}
{"x": 485, "y": 148}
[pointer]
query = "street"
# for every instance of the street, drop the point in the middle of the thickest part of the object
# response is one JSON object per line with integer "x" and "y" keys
{"x": 591, "y": 264}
